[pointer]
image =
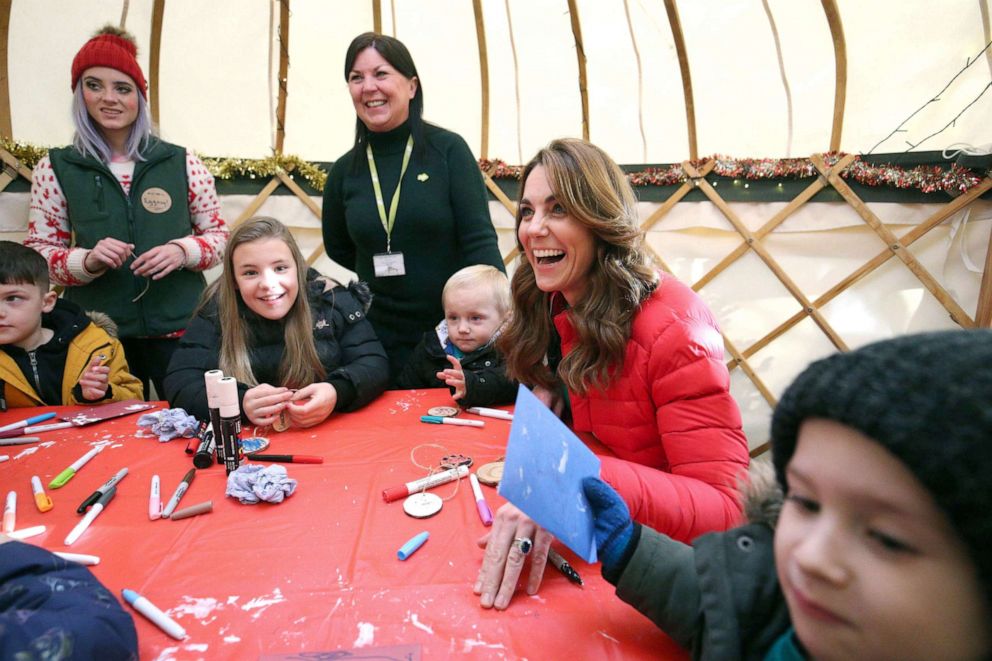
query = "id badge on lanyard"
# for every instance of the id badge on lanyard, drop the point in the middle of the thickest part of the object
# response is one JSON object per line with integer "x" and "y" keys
{"x": 388, "y": 264}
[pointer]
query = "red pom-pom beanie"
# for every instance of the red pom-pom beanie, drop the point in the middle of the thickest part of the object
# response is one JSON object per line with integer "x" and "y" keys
{"x": 107, "y": 49}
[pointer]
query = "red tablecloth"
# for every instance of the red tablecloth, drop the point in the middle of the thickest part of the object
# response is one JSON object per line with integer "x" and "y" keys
{"x": 318, "y": 572}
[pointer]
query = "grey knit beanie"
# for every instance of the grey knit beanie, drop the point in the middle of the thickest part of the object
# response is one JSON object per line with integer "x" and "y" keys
{"x": 928, "y": 400}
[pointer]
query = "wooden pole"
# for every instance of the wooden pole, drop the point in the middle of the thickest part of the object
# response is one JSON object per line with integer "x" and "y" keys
{"x": 580, "y": 55}
{"x": 840, "y": 67}
{"x": 377, "y": 16}
{"x": 6, "y": 125}
{"x": 480, "y": 33}
{"x": 155, "y": 60}
{"x": 283, "y": 74}
{"x": 690, "y": 105}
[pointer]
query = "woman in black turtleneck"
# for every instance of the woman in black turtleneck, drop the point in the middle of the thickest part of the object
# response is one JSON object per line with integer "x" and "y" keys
{"x": 441, "y": 221}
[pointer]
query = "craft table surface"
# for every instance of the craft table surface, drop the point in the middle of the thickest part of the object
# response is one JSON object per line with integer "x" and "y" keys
{"x": 319, "y": 571}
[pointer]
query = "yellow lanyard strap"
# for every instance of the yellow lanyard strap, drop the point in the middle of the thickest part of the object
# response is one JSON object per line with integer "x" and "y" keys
{"x": 387, "y": 224}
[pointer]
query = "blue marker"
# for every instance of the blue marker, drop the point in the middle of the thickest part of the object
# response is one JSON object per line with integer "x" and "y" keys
{"x": 411, "y": 547}
{"x": 30, "y": 421}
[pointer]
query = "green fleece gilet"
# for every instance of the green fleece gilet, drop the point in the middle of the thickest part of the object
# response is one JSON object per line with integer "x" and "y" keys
{"x": 99, "y": 208}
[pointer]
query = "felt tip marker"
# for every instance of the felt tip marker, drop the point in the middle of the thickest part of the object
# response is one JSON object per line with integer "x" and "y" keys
{"x": 95, "y": 496}
{"x": 193, "y": 510}
{"x": 485, "y": 513}
{"x": 67, "y": 474}
{"x": 51, "y": 427}
{"x": 438, "y": 420}
{"x": 490, "y": 413}
{"x": 94, "y": 512}
{"x": 412, "y": 545}
{"x": 395, "y": 493}
{"x": 287, "y": 458}
{"x": 156, "y": 616}
{"x": 18, "y": 440}
{"x": 24, "y": 533}
{"x": 27, "y": 421}
{"x": 10, "y": 512}
{"x": 180, "y": 490}
{"x": 41, "y": 499}
{"x": 81, "y": 558}
{"x": 155, "y": 500}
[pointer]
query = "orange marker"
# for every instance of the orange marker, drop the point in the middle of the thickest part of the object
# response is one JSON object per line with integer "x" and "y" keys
{"x": 41, "y": 499}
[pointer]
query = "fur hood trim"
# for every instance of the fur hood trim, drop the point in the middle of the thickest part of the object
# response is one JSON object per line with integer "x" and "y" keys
{"x": 762, "y": 494}
{"x": 103, "y": 321}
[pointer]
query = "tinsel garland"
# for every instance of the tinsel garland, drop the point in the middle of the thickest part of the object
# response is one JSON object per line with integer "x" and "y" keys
{"x": 926, "y": 178}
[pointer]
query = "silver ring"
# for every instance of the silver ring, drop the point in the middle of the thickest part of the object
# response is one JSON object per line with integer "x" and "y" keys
{"x": 523, "y": 544}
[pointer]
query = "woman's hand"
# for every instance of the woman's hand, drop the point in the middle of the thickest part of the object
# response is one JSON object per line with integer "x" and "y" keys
{"x": 263, "y": 403}
{"x": 108, "y": 253}
{"x": 95, "y": 380}
{"x": 454, "y": 377}
{"x": 311, "y": 405}
{"x": 504, "y": 559}
{"x": 550, "y": 399}
{"x": 159, "y": 262}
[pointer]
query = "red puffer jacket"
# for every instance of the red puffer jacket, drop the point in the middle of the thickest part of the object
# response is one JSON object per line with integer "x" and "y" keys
{"x": 669, "y": 417}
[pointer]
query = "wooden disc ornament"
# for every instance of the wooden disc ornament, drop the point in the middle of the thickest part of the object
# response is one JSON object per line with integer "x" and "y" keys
{"x": 490, "y": 473}
{"x": 443, "y": 411}
{"x": 282, "y": 422}
{"x": 422, "y": 505}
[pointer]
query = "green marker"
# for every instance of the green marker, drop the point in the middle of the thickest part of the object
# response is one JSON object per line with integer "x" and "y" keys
{"x": 66, "y": 475}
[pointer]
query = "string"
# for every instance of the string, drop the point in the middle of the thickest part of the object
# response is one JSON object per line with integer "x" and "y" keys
{"x": 435, "y": 468}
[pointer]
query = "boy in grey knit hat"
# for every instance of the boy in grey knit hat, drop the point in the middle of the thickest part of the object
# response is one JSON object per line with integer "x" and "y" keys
{"x": 883, "y": 547}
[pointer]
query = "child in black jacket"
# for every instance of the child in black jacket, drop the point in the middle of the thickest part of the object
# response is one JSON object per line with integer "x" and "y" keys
{"x": 461, "y": 352}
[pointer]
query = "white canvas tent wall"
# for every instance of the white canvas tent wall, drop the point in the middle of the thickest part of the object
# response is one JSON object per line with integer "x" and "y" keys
{"x": 650, "y": 81}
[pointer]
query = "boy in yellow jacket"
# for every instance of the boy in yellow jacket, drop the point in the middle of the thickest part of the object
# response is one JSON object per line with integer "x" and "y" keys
{"x": 50, "y": 351}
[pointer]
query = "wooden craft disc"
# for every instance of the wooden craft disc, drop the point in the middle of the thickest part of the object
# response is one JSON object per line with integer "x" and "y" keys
{"x": 443, "y": 411}
{"x": 422, "y": 505}
{"x": 282, "y": 422}
{"x": 490, "y": 473}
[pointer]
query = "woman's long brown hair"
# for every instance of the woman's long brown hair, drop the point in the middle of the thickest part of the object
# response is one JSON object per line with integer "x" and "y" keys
{"x": 595, "y": 192}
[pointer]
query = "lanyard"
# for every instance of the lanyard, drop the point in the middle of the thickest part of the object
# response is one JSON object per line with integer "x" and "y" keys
{"x": 387, "y": 224}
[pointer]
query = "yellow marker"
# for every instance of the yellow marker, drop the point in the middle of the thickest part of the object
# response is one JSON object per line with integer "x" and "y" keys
{"x": 41, "y": 499}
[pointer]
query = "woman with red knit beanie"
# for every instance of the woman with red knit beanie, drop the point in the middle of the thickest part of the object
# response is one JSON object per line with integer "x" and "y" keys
{"x": 127, "y": 221}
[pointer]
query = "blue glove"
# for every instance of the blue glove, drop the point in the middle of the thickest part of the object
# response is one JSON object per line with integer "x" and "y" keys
{"x": 613, "y": 528}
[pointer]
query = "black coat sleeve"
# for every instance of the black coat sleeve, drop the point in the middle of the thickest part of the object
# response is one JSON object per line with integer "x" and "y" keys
{"x": 422, "y": 368}
{"x": 49, "y": 605}
{"x": 486, "y": 382}
{"x": 337, "y": 242}
{"x": 364, "y": 366}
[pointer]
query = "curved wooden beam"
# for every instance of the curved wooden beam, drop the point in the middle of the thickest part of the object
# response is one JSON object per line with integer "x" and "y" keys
{"x": 580, "y": 54}
{"x": 840, "y": 66}
{"x": 283, "y": 74}
{"x": 155, "y": 59}
{"x": 690, "y": 105}
{"x": 480, "y": 33}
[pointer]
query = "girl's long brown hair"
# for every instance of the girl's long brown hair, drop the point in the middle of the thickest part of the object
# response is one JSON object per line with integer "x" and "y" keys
{"x": 596, "y": 193}
{"x": 300, "y": 365}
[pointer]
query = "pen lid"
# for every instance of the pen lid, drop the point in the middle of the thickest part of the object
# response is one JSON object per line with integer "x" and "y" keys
{"x": 43, "y": 501}
{"x": 62, "y": 478}
{"x": 107, "y": 496}
{"x": 433, "y": 419}
{"x": 411, "y": 546}
{"x": 89, "y": 502}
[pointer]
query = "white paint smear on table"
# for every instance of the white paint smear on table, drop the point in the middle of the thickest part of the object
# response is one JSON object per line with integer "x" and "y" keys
{"x": 26, "y": 452}
{"x": 167, "y": 653}
{"x": 263, "y": 602}
{"x": 468, "y": 644}
{"x": 417, "y": 623}
{"x": 608, "y": 637}
{"x": 196, "y": 647}
{"x": 337, "y": 604}
{"x": 198, "y": 607}
{"x": 366, "y": 635}
{"x": 231, "y": 639}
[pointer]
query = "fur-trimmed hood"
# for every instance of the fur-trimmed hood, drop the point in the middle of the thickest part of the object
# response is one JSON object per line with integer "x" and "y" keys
{"x": 104, "y": 322}
{"x": 762, "y": 495}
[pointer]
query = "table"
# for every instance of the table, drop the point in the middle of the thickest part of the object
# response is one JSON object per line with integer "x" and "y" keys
{"x": 319, "y": 571}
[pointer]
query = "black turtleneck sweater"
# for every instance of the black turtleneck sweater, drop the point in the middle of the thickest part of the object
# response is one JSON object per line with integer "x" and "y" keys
{"x": 442, "y": 224}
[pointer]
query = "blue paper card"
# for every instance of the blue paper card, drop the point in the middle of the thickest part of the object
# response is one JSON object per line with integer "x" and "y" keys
{"x": 545, "y": 464}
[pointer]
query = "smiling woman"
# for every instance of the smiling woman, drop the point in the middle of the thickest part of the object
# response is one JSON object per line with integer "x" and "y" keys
{"x": 126, "y": 221}
{"x": 298, "y": 344}
{"x": 631, "y": 355}
{"x": 406, "y": 207}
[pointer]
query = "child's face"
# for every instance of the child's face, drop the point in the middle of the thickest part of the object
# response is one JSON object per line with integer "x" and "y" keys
{"x": 21, "y": 306}
{"x": 472, "y": 317}
{"x": 265, "y": 273}
{"x": 869, "y": 566}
